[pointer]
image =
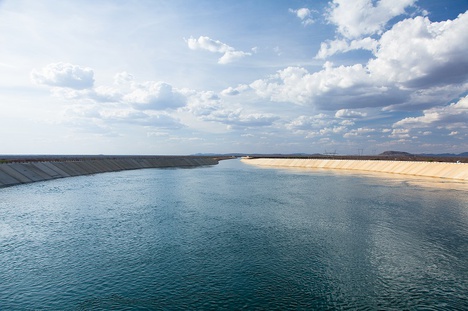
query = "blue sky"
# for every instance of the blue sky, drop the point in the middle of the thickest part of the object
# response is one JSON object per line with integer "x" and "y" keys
{"x": 183, "y": 77}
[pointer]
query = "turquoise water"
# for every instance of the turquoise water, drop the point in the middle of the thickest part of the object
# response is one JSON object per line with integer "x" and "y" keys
{"x": 232, "y": 237}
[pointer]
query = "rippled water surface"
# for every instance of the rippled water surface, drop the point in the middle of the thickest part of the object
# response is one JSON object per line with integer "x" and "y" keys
{"x": 232, "y": 236}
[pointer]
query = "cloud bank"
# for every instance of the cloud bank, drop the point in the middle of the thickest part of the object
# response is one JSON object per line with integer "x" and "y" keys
{"x": 453, "y": 116}
{"x": 404, "y": 84}
{"x": 413, "y": 57}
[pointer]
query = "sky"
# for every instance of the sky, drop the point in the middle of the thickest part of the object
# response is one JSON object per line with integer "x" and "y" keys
{"x": 250, "y": 76}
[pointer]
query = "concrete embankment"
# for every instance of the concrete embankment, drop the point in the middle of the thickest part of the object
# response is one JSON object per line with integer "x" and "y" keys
{"x": 14, "y": 173}
{"x": 457, "y": 171}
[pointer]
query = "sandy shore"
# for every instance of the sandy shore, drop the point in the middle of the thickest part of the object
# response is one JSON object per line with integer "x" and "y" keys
{"x": 455, "y": 171}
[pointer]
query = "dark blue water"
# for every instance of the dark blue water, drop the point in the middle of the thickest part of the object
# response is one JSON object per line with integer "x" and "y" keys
{"x": 232, "y": 237}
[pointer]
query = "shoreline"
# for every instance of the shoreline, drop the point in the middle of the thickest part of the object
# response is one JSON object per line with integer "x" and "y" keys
{"x": 443, "y": 170}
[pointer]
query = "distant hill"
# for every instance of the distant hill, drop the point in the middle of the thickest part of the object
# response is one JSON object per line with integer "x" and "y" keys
{"x": 390, "y": 153}
{"x": 463, "y": 154}
{"x": 407, "y": 154}
{"x": 396, "y": 154}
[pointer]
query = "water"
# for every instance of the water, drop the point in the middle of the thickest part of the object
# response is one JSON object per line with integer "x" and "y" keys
{"x": 232, "y": 237}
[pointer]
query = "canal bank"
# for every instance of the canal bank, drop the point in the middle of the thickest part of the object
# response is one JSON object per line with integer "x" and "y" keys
{"x": 27, "y": 170}
{"x": 457, "y": 171}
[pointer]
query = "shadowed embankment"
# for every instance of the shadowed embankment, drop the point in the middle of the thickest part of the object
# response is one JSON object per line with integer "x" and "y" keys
{"x": 28, "y": 169}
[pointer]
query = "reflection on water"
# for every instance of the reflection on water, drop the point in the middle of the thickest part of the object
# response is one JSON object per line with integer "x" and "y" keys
{"x": 233, "y": 237}
{"x": 431, "y": 182}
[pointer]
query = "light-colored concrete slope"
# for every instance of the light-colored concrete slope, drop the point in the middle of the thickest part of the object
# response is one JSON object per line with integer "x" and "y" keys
{"x": 458, "y": 171}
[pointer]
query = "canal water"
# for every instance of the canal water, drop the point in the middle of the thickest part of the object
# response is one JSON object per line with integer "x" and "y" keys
{"x": 233, "y": 237}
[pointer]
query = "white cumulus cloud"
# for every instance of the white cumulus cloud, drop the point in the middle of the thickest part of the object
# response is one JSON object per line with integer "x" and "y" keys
{"x": 329, "y": 48}
{"x": 359, "y": 23}
{"x": 232, "y": 91}
{"x": 453, "y": 116}
{"x": 64, "y": 75}
{"x": 357, "y": 18}
{"x": 359, "y": 132}
{"x": 332, "y": 88}
{"x": 205, "y": 43}
{"x": 304, "y": 14}
{"x": 303, "y": 123}
{"x": 238, "y": 119}
{"x": 123, "y": 78}
{"x": 98, "y": 94}
{"x": 203, "y": 103}
{"x": 400, "y": 134}
{"x": 351, "y": 114}
{"x": 419, "y": 53}
{"x": 152, "y": 95}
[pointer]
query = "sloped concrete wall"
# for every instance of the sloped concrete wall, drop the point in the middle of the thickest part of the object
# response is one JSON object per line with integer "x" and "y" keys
{"x": 20, "y": 173}
{"x": 458, "y": 171}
